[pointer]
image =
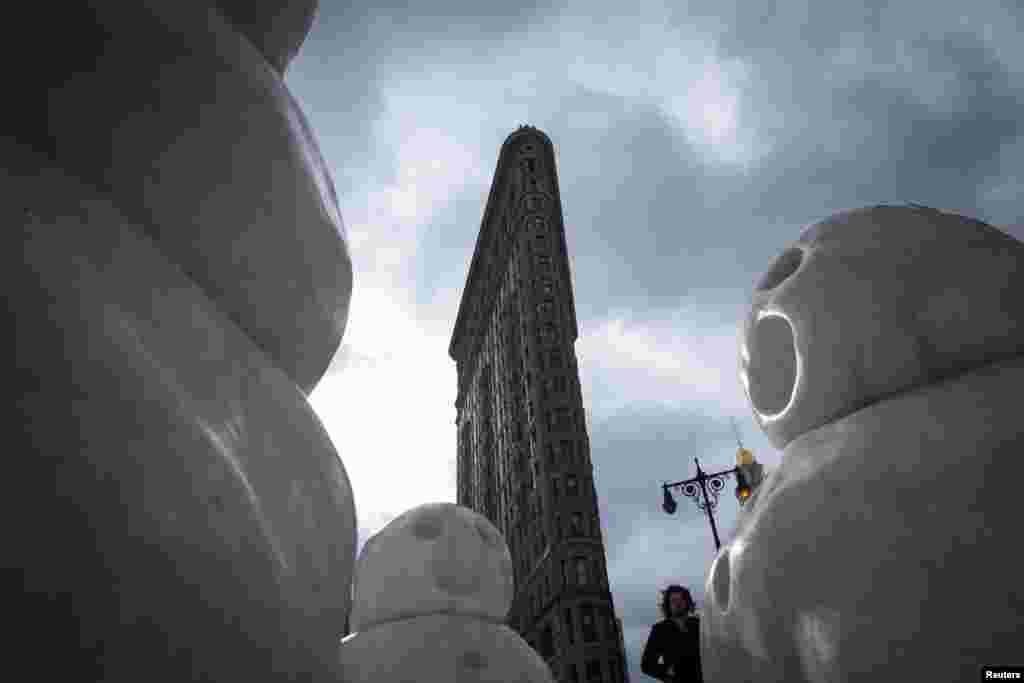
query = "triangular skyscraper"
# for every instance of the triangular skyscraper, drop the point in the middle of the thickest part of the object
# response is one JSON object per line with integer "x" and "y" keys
{"x": 523, "y": 451}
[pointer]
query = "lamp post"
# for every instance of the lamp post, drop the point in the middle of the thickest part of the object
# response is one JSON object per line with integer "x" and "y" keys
{"x": 749, "y": 475}
{"x": 698, "y": 488}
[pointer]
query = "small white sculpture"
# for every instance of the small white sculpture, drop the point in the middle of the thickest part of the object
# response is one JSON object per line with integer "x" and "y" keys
{"x": 430, "y": 597}
{"x": 884, "y": 351}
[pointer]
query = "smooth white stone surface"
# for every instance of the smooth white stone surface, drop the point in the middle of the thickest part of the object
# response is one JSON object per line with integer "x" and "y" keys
{"x": 197, "y": 138}
{"x": 883, "y": 299}
{"x": 441, "y": 647}
{"x": 885, "y": 543}
{"x": 434, "y": 558}
{"x": 276, "y": 27}
{"x": 179, "y": 512}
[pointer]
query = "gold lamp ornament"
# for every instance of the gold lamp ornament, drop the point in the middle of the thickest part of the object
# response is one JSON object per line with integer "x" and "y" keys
{"x": 747, "y": 468}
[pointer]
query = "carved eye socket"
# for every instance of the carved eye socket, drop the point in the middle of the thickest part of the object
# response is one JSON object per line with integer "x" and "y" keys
{"x": 428, "y": 527}
{"x": 771, "y": 374}
{"x": 472, "y": 660}
{"x": 785, "y": 264}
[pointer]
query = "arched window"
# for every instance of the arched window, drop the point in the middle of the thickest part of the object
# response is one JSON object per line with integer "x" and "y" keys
{"x": 575, "y": 524}
{"x": 616, "y": 667}
{"x": 547, "y": 642}
{"x": 588, "y": 621}
{"x": 611, "y": 627}
{"x": 581, "y": 571}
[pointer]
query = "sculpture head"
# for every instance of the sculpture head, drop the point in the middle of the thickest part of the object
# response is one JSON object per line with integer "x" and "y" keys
{"x": 434, "y": 558}
{"x": 883, "y": 352}
{"x": 179, "y": 112}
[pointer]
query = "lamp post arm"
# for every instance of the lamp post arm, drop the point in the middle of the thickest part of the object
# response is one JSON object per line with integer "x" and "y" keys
{"x": 702, "y": 475}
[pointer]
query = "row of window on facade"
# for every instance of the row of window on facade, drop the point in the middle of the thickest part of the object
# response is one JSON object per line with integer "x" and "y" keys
{"x": 506, "y": 288}
{"x": 571, "y": 452}
{"x": 529, "y": 481}
{"x": 577, "y": 529}
{"x": 578, "y": 572}
{"x": 592, "y": 669}
{"x": 546, "y": 358}
{"x": 566, "y": 623}
{"x": 521, "y": 532}
{"x": 559, "y": 419}
{"x": 493, "y": 293}
{"x": 592, "y": 672}
{"x": 529, "y": 174}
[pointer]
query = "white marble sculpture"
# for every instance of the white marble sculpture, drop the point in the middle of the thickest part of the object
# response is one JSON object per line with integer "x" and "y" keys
{"x": 430, "y": 597}
{"x": 883, "y": 353}
{"x": 179, "y": 277}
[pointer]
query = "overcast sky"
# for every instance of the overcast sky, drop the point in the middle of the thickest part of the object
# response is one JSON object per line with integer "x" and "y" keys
{"x": 693, "y": 141}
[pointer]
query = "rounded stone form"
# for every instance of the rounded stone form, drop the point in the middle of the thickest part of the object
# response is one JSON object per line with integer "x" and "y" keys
{"x": 197, "y": 139}
{"x": 872, "y": 302}
{"x": 178, "y": 512}
{"x": 434, "y": 558}
{"x": 886, "y": 541}
{"x": 441, "y": 647}
{"x": 276, "y": 28}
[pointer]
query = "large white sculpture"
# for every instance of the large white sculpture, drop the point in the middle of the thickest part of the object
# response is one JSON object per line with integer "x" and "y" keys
{"x": 430, "y": 597}
{"x": 884, "y": 352}
{"x": 179, "y": 278}
{"x": 200, "y": 140}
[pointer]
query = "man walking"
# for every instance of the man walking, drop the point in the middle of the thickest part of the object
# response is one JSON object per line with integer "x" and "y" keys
{"x": 672, "y": 653}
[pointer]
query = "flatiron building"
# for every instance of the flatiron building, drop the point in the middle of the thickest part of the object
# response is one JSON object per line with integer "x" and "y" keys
{"x": 523, "y": 452}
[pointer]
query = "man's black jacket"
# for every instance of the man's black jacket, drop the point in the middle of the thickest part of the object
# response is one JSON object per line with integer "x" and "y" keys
{"x": 678, "y": 647}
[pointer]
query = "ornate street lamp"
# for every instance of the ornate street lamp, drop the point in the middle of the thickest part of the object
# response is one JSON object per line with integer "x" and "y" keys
{"x": 748, "y": 476}
{"x": 698, "y": 488}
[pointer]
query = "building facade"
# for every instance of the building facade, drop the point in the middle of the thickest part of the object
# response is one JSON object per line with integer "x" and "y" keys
{"x": 523, "y": 451}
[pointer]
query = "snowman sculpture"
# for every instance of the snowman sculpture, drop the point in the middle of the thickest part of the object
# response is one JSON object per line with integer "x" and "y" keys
{"x": 430, "y": 596}
{"x": 884, "y": 352}
{"x": 178, "y": 280}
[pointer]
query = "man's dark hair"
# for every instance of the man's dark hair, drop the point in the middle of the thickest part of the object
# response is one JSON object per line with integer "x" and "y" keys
{"x": 675, "y": 588}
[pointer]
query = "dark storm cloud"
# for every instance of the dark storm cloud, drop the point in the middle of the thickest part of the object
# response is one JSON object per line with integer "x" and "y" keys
{"x": 875, "y": 103}
{"x": 648, "y": 222}
{"x": 643, "y": 212}
{"x": 905, "y": 149}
